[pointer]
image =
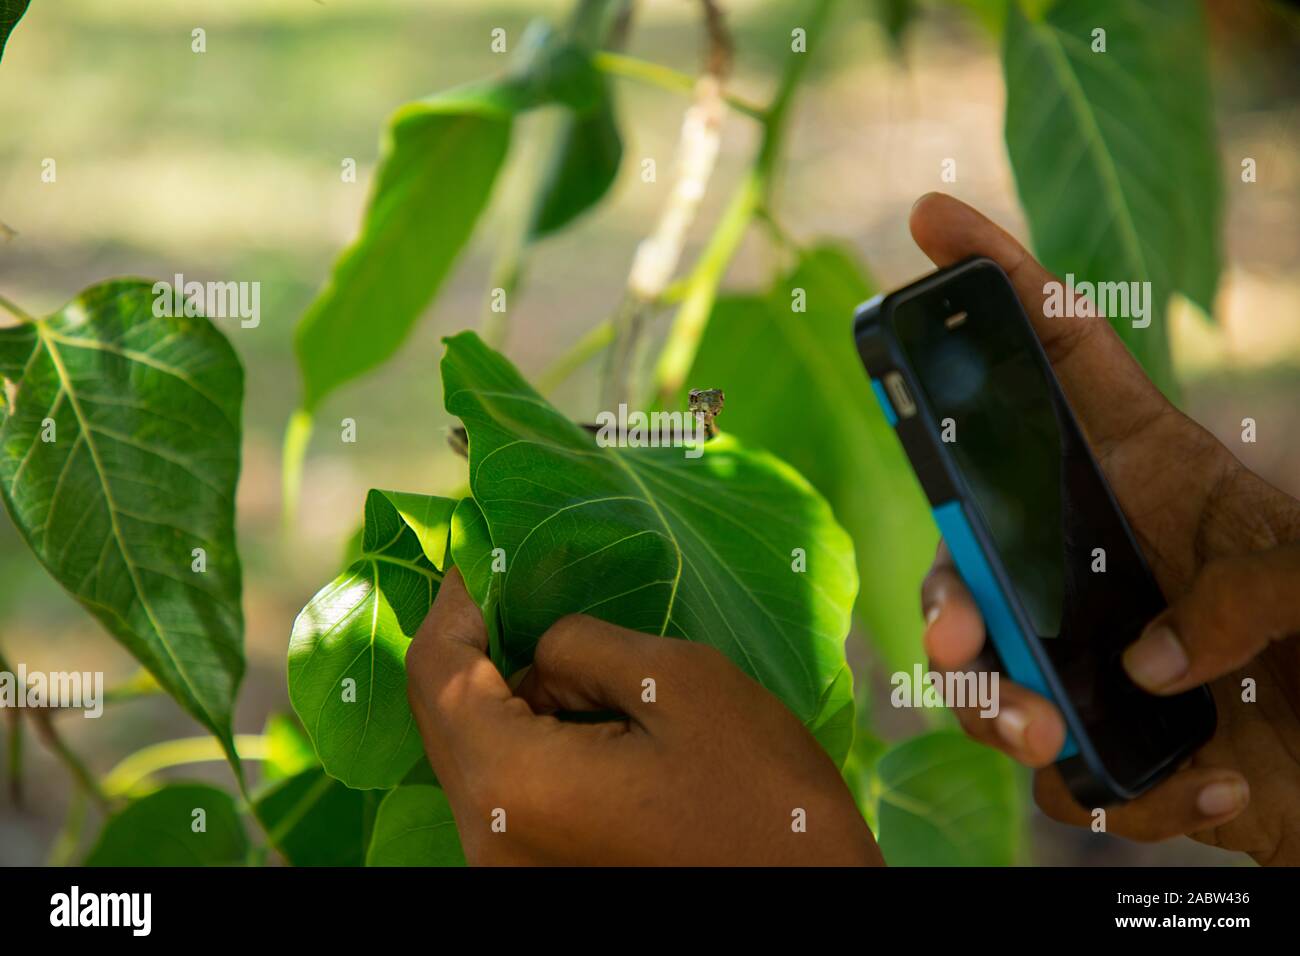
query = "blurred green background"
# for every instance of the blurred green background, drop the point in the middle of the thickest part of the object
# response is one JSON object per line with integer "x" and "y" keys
{"x": 225, "y": 165}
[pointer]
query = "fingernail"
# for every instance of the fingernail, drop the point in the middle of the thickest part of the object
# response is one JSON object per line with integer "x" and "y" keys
{"x": 932, "y": 615}
{"x": 921, "y": 198}
{"x": 1226, "y": 796}
{"x": 1012, "y": 724}
{"x": 1157, "y": 659}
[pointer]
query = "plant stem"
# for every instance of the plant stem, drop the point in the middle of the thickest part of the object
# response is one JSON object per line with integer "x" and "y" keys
{"x": 692, "y": 316}
{"x": 136, "y": 769}
{"x": 15, "y": 761}
{"x": 140, "y": 684}
{"x": 296, "y": 438}
{"x": 44, "y": 721}
{"x": 69, "y": 838}
{"x": 529, "y": 175}
{"x": 17, "y": 312}
{"x": 45, "y": 729}
{"x": 753, "y": 194}
{"x": 664, "y": 77}
{"x": 588, "y": 347}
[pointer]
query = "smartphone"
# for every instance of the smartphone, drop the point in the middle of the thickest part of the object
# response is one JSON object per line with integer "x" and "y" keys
{"x": 1034, "y": 529}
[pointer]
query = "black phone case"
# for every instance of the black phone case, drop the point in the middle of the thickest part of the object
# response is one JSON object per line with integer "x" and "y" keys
{"x": 940, "y": 479}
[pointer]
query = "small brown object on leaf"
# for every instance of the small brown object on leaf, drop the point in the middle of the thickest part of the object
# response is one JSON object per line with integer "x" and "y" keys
{"x": 706, "y": 404}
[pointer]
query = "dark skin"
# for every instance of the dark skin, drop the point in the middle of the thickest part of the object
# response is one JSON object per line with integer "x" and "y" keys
{"x": 716, "y": 769}
{"x": 710, "y": 773}
{"x": 1225, "y": 547}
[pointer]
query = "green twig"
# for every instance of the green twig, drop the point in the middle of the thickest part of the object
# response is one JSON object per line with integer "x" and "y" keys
{"x": 530, "y": 173}
{"x": 586, "y": 348}
{"x": 297, "y": 436}
{"x": 136, "y": 770}
{"x": 666, "y": 78}
{"x": 16, "y": 311}
{"x": 43, "y": 719}
{"x": 141, "y": 684}
{"x": 14, "y": 762}
{"x": 45, "y": 729}
{"x": 692, "y": 316}
{"x": 66, "y": 843}
{"x": 753, "y": 194}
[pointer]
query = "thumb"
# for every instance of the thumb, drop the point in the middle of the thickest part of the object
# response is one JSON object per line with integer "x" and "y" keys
{"x": 585, "y": 664}
{"x": 454, "y": 689}
{"x": 1235, "y": 608}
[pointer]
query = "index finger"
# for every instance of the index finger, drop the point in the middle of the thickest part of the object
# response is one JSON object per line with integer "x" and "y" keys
{"x": 1108, "y": 390}
{"x": 954, "y": 628}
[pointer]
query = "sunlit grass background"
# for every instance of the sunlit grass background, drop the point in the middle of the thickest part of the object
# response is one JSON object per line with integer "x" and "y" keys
{"x": 226, "y": 165}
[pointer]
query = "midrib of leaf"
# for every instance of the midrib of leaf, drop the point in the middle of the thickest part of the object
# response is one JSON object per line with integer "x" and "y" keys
{"x": 1073, "y": 93}
{"x": 373, "y": 558}
{"x": 140, "y": 358}
{"x": 615, "y": 456}
{"x": 730, "y": 519}
{"x": 370, "y": 690}
{"x": 672, "y": 536}
{"x": 83, "y": 426}
{"x": 409, "y": 565}
{"x": 652, "y": 501}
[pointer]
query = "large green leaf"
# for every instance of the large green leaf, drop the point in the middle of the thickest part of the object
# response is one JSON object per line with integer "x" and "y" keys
{"x": 815, "y": 409}
{"x": 700, "y": 548}
{"x": 584, "y": 165}
{"x": 1115, "y": 154}
{"x": 167, "y": 829}
{"x": 415, "y": 828}
{"x": 439, "y": 161}
{"x": 314, "y": 820}
{"x": 347, "y": 654}
{"x": 141, "y": 471}
{"x": 11, "y": 11}
{"x": 944, "y": 800}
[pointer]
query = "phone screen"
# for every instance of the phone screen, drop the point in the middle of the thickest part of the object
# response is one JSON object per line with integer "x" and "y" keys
{"x": 1062, "y": 542}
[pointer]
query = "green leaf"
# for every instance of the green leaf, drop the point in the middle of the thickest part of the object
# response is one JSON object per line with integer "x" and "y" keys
{"x": 438, "y": 164}
{"x": 833, "y": 725}
{"x": 700, "y": 548}
{"x": 160, "y": 830}
{"x": 471, "y": 551}
{"x": 314, "y": 820}
{"x": 859, "y": 769}
{"x": 944, "y": 800}
{"x": 1115, "y": 154}
{"x": 347, "y": 654}
{"x": 437, "y": 167}
{"x": 415, "y": 828}
{"x": 288, "y": 748}
{"x": 141, "y": 471}
{"x": 815, "y": 409}
{"x": 583, "y": 168}
{"x": 11, "y": 11}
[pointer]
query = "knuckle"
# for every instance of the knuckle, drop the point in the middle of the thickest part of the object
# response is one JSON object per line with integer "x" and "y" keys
{"x": 564, "y": 632}
{"x": 559, "y": 641}
{"x": 418, "y": 658}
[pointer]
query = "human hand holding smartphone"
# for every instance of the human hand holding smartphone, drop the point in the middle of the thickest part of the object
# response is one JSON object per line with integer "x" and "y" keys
{"x": 1221, "y": 544}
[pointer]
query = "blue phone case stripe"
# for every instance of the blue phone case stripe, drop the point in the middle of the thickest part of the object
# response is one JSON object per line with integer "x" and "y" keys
{"x": 885, "y": 404}
{"x": 1005, "y": 633}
